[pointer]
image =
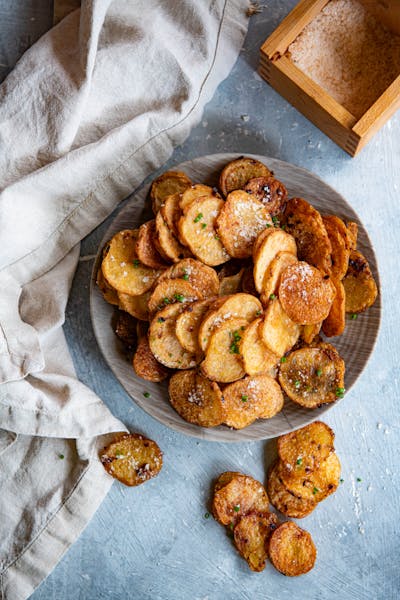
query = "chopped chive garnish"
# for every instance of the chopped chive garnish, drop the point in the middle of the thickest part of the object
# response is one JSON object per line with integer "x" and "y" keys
{"x": 136, "y": 263}
{"x": 179, "y": 297}
{"x": 258, "y": 313}
{"x": 231, "y": 526}
{"x": 146, "y": 394}
{"x": 236, "y": 508}
{"x": 185, "y": 277}
{"x": 297, "y": 384}
{"x": 207, "y": 515}
{"x": 283, "y": 359}
{"x": 244, "y": 398}
{"x": 354, "y": 316}
{"x": 319, "y": 372}
{"x": 315, "y": 490}
{"x": 198, "y": 218}
{"x": 283, "y": 227}
{"x": 61, "y": 456}
{"x": 340, "y": 392}
{"x": 203, "y": 225}
{"x": 359, "y": 479}
{"x": 299, "y": 461}
{"x": 166, "y": 300}
{"x": 161, "y": 319}
{"x": 216, "y": 237}
{"x": 268, "y": 225}
{"x": 272, "y": 296}
{"x": 341, "y": 480}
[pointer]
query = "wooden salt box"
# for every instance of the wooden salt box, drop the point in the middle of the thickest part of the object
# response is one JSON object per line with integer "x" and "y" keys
{"x": 338, "y": 62}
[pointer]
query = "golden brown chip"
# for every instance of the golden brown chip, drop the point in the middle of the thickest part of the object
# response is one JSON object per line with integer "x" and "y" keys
{"x": 271, "y": 192}
{"x": 167, "y": 244}
{"x": 125, "y": 328}
{"x": 278, "y": 332}
{"x": 146, "y": 250}
{"x": 146, "y": 365}
{"x": 188, "y": 324}
{"x": 306, "y": 294}
{"x": 291, "y": 550}
{"x": 222, "y": 361}
{"x": 272, "y": 277}
{"x": 309, "y": 332}
{"x": 196, "y": 191}
{"x": 335, "y": 322}
{"x": 236, "y": 174}
{"x": 305, "y": 223}
{"x": 240, "y": 496}
{"x": 132, "y": 459}
{"x": 264, "y": 253}
{"x": 283, "y": 500}
{"x": 359, "y": 284}
{"x": 170, "y": 182}
{"x": 239, "y": 222}
{"x": 315, "y": 486}
{"x": 196, "y": 399}
{"x": 197, "y": 230}
{"x": 352, "y": 230}
{"x": 340, "y": 241}
{"x": 251, "y": 398}
{"x": 251, "y": 535}
{"x": 109, "y": 294}
{"x": 203, "y": 278}
{"x": 224, "y": 479}
{"x": 302, "y": 451}
{"x": 231, "y": 284}
{"x": 137, "y": 306}
{"x": 122, "y": 268}
{"x": 170, "y": 291}
{"x": 163, "y": 342}
{"x": 171, "y": 212}
{"x": 257, "y": 358}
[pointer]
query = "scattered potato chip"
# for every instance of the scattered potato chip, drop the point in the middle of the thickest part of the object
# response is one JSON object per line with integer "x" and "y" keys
{"x": 274, "y": 242}
{"x": 239, "y": 222}
{"x": 196, "y": 399}
{"x": 170, "y": 182}
{"x": 170, "y": 291}
{"x": 257, "y": 358}
{"x": 285, "y": 501}
{"x": 163, "y": 341}
{"x": 359, "y": 284}
{"x": 335, "y": 322}
{"x": 316, "y": 485}
{"x": 136, "y": 306}
{"x": 166, "y": 243}
{"x": 272, "y": 277}
{"x": 271, "y": 192}
{"x": 306, "y": 294}
{"x": 302, "y": 451}
{"x": 251, "y": 398}
{"x": 240, "y": 496}
{"x": 109, "y": 294}
{"x": 171, "y": 212}
{"x": 251, "y": 535}
{"x": 236, "y": 174}
{"x": 145, "y": 364}
{"x": 188, "y": 324}
{"x": 291, "y": 550}
{"x": 352, "y": 230}
{"x": 305, "y": 223}
{"x": 145, "y": 248}
{"x": 203, "y": 278}
{"x": 194, "y": 192}
{"x": 132, "y": 459}
{"x": 278, "y": 332}
{"x": 222, "y": 361}
{"x": 125, "y": 328}
{"x": 340, "y": 241}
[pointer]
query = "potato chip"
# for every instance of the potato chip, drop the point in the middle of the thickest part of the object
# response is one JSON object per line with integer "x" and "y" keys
{"x": 359, "y": 284}
{"x": 236, "y": 174}
{"x": 146, "y": 365}
{"x": 272, "y": 277}
{"x": 309, "y": 332}
{"x": 196, "y": 399}
{"x": 340, "y": 242}
{"x": 170, "y": 291}
{"x": 170, "y": 182}
{"x": 285, "y": 501}
{"x": 231, "y": 284}
{"x": 224, "y": 479}
{"x": 264, "y": 253}
{"x": 222, "y": 361}
{"x": 240, "y": 496}
{"x": 163, "y": 342}
{"x": 352, "y": 231}
{"x": 171, "y": 212}
{"x": 302, "y": 451}
{"x": 315, "y": 486}
{"x": 188, "y": 324}
{"x": 196, "y": 191}
{"x": 125, "y": 328}
{"x": 137, "y": 306}
{"x": 109, "y": 294}
{"x": 145, "y": 248}
{"x": 291, "y": 550}
{"x": 335, "y": 322}
{"x": 251, "y": 535}
{"x": 167, "y": 244}
{"x": 203, "y": 278}
{"x": 278, "y": 332}
{"x": 257, "y": 358}
{"x": 248, "y": 286}
{"x": 271, "y": 192}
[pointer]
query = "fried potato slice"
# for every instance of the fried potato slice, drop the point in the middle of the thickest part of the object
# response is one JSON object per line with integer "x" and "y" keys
{"x": 224, "y": 479}
{"x": 240, "y": 305}
{"x": 145, "y": 364}
{"x": 271, "y": 192}
{"x": 264, "y": 253}
{"x": 222, "y": 361}
{"x": 203, "y": 278}
{"x": 309, "y": 332}
{"x": 231, "y": 284}
{"x": 248, "y": 286}
{"x": 197, "y": 230}
{"x": 352, "y": 230}
{"x": 285, "y": 501}
{"x": 292, "y": 550}
{"x": 251, "y": 535}
{"x": 132, "y": 459}
{"x": 170, "y": 291}
{"x": 251, "y": 398}
{"x": 315, "y": 486}
{"x": 306, "y": 294}
{"x": 122, "y": 268}
{"x": 196, "y": 399}
{"x": 163, "y": 342}
{"x": 125, "y": 328}
{"x": 304, "y": 450}
{"x": 239, "y": 222}
{"x": 137, "y": 306}
{"x": 170, "y": 182}
{"x": 196, "y": 191}
{"x": 340, "y": 241}
{"x": 236, "y": 174}
{"x": 166, "y": 243}
{"x": 109, "y": 294}
{"x": 171, "y": 212}
{"x": 335, "y": 322}
{"x": 305, "y": 223}
{"x": 146, "y": 250}
{"x": 257, "y": 358}
{"x": 272, "y": 277}
{"x": 359, "y": 284}
{"x": 240, "y": 496}
{"x": 188, "y": 324}
{"x": 278, "y": 332}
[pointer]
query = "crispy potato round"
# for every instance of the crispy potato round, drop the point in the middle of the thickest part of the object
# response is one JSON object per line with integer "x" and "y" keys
{"x": 272, "y": 277}
{"x": 271, "y": 192}
{"x": 340, "y": 241}
{"x": 309, "y": 332}
{"x": 170, "y": 291}
{"x": 196, "y": 399}
{"x": 313, "y": 376}
{"x": 275, "y": 241}
{"x": 240, "y": 496}
{"x": 222, "y": 361}
{"x": 167, "y": 244}
{"x": 291, "y": 550}
{"x": 304, "y": 450}
{"x": 305, "y": 223}
{"x": 352, "y": 230}
{"x": 170, "y": 182}
{"x": 251, "y": 535}
{"x": 201, "y": 277}
{"x": 188, "y": 324}
{"x": 163, "y": 342}
{"x": 109, "y": 294}
{"x": 306, "y": 294}
{"x": 197, "y": 230}
{"x": 194, "y": 192}
{"x": 316, "y": 485}
{"x": 236, "y": 174}
{"x": 335, "y": 322}
{"x": 171, "y": 212}
{"x": 121, "y": 267}
{"x": 251, "y": 398}
{"x": 224, "y": 479}
{"x": 132, "y": 459}
{"x": 359, "y": 285}
{"x": 231, "y": 284}
{"x": 257, "y": 358}
{"x": 146, "y": 250}
{"x": 137, "y": 306}
{"x": 278, "y": 332}
{"x": 239, "y": 222}
{"x": 125, "y": 328}
{"x": 146, "y": 365}
{"x": 285, "y": 501}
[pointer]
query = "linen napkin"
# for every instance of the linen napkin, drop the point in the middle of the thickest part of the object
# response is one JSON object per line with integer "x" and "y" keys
{"x": 96, "y": 105}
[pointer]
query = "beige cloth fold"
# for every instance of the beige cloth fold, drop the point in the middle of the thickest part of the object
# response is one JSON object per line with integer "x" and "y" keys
{"x": 92, "y": 109}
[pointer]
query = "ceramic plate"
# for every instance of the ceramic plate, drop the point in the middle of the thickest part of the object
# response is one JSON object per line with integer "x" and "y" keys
{"x": 355, "y": 345}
